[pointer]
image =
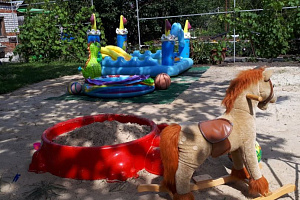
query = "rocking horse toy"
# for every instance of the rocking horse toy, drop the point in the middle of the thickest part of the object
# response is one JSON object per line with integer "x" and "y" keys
{"x": 184, "y": 147}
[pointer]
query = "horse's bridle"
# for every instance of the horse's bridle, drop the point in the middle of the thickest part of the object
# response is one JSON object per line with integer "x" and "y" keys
{"x": 270, "y": 97}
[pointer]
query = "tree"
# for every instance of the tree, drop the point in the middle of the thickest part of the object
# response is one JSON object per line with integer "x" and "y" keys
{"x": 269, "y": 30}
{"x": 58, "y": 33}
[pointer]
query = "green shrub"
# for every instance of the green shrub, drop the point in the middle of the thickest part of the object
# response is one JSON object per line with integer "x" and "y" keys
{"x": 269, "y": 30}
{"x": 58, "y": 34}
{"x": 153, "y": 45}
{"x": 242, "y": 48}
{"x": 218, "y": 51}
{"x": 200, "y": 51}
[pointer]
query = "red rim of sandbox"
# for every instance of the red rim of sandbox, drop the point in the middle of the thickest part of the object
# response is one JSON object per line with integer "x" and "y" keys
{"x": 111, "y": 162}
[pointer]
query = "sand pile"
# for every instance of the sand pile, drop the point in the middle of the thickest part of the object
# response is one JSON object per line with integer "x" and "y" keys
{"x": 103, "y": 133}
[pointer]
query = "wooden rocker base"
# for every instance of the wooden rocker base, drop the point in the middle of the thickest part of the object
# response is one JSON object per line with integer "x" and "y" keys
{"x": 215, "y": 182}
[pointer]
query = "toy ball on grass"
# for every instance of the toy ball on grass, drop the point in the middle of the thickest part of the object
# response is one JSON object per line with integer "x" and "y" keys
{"x": 162, "y": 81}
{"x": 74, "y": 88}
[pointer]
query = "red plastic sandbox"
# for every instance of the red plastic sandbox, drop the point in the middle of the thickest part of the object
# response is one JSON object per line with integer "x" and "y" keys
{"x": 114, "y": 162}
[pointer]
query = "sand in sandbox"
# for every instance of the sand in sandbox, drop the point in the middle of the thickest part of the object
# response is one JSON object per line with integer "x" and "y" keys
{"x": 103, "y": 133}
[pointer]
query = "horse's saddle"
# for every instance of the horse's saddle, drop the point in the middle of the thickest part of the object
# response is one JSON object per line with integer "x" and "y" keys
{"x": 216, "y": 132}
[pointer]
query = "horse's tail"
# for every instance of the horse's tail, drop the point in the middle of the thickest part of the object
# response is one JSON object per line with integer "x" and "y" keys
{"x": 169, "y": 154}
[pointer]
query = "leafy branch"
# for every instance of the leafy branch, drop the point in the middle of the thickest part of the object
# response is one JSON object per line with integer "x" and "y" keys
{"x": 57, "y": 34}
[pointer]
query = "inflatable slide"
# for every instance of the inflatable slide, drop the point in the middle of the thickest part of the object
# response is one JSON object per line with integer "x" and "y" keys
{"x": 114, "y": 52}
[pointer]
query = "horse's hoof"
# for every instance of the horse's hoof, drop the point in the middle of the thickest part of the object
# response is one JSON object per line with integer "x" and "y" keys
{"x": 260, "y": 186}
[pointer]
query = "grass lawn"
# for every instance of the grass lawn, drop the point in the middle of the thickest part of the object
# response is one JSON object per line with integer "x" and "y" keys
{"x": 17, "y": 75}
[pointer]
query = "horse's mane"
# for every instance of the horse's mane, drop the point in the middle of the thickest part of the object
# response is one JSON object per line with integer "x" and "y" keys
{"x": 239, "y": 84}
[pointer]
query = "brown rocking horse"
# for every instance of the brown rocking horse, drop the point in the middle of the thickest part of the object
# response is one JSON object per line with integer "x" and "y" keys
{"x": 184, "y": 147}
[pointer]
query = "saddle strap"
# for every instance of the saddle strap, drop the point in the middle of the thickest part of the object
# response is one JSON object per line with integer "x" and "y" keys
{"x": 220, "y": 148}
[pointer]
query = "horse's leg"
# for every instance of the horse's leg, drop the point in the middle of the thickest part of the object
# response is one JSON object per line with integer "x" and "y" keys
{"x": 183, "y": 177}
{"x": 193, "y": 150}
{"x": 257, "y": 183}
{"x": 238, "y": 169}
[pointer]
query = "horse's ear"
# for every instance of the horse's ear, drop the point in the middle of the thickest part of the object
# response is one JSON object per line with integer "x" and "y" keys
{"x": 267, "y": 74}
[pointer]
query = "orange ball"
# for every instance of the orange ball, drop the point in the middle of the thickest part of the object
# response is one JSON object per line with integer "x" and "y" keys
{"x": 162, "y": 81}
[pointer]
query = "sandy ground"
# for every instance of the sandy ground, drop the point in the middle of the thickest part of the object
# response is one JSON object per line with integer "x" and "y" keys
{"x": 25, "y": 114}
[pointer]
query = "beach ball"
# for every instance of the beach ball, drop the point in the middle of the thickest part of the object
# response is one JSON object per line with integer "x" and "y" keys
{"x": 258, "y": 151}
{"x": 74, "y": 88}
{"x": 162, "y": 81}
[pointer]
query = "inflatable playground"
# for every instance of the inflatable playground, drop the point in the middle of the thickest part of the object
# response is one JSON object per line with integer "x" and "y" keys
{"x": 111, "y": 72}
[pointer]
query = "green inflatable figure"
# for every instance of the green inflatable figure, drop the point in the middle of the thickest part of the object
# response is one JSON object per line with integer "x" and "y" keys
{"x": 92, "y": 66}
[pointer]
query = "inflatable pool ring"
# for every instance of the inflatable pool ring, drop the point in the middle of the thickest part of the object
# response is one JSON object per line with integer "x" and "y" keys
{"x": 118, "y": 86}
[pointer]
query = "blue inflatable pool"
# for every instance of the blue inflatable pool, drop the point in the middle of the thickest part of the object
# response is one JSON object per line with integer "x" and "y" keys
{"x": 142, "y": 64}
{"x": 118, "y": 86}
